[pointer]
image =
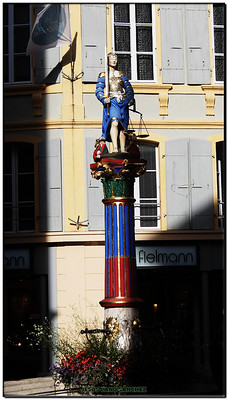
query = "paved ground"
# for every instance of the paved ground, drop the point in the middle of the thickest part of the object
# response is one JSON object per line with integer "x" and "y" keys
{"x": 40, "y": 387}
{"x": 44, "y": 387}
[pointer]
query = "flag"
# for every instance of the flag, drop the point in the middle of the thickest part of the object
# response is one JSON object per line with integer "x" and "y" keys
{"x": 51, "y": 28}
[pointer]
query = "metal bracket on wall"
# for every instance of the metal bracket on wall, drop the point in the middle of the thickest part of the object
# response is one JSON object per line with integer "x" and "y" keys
{"x": 78, "y": 223}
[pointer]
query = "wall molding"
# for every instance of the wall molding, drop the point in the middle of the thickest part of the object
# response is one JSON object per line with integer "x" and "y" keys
{"x": 98, "y": 237}
{"x": 96, "y": 124}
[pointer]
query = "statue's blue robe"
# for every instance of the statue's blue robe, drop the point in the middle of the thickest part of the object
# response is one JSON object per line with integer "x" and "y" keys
{"x": 117, "y": 110}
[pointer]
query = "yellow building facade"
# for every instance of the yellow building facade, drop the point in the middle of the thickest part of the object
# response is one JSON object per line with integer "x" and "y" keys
{"x": 66, "y": 261}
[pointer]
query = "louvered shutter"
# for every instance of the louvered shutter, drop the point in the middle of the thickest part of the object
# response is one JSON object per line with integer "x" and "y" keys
{"x": 177, "y": 190}
{"x": 172, "y": 50}
{"x": 189, "y": 184}
{"x": 50, "y": 186}
{"x": 93, "y": 17}
{"x": 202, "y": 215}
{"x": 197, "y": 44}
{"x": 48, "y": 65}
{"x": 95, "y": 193}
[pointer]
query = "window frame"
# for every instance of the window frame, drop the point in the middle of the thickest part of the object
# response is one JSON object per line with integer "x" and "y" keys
{"x": 11, "y": 53}
{"x": 133, "y": 43}
{"x": 213, "y": 46}
{"x": 15, "y": 189}
{"x": 157, "y": 199}
{"x": 220, "y": 188}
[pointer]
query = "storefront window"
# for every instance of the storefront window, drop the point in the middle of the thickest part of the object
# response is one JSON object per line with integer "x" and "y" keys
{"x": 22, "y": 304}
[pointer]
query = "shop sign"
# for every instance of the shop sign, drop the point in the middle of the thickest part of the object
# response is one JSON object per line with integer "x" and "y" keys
{"x": 15, "y": 259}
{"x": 162, "y": 256}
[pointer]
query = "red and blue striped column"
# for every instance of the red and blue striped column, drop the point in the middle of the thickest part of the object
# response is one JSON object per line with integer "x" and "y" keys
{"x": 118, "y": 177}
{"x": 120, "y": 265}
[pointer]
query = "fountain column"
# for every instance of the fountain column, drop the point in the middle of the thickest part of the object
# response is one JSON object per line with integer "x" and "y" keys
{"x": 121, "y": 301}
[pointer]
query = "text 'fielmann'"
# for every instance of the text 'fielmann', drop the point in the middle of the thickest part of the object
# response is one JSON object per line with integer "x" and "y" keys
{"x": 164, "y": 257}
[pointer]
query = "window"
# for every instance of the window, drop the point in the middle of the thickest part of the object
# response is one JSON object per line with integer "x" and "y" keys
{"x": 16, "y": 21}
{"x": 218, "y": 30}
{"x": 147, "y": 205}
{"x": 220, "y": 182}
{"x": 189, "y": 184}
{"x": 18, "y": 192}
{"x": 134, "y": 40}
{"x": 185, "y": 48}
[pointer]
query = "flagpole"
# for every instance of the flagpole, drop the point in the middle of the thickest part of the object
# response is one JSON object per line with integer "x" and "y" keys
{"x": 106, "y": 62}
{"x": 71, "y": 62}
{"x": 72, "y": 78}
{"x": 106, "y": 79}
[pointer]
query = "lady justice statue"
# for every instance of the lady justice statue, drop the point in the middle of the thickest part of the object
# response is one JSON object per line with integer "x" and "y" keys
{"x": 115, "y": 92}
{"x": 117, "y": 173}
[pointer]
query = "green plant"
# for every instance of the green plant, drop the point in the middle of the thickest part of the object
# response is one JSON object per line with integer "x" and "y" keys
{"x": 93, "y": 359}
{"x": 99, "y": 362}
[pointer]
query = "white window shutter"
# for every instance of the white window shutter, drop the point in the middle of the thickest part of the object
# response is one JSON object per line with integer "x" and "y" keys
{"x": 177, "y": 182}
{"x": 95, "y": 193}
{"x": 50, "y": 186}
{"x": 202, "y": 205}
{"x": 189, "y": 184}
{"x": 172, "y": 49}
{"x": 47, "y": 65}
{"x": 197, "y": 44}
{"x": 93, "y": 17}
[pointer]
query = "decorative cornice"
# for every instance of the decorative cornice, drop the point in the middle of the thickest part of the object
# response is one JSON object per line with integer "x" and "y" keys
{"x": 98, "y": 237}
{"x": 23, "y": 90}
{"x": 96, "y": 124}
{"x": 150, "y": 88}
{"x": 138, "y": 87}
{"x": 153, "y": 88}
{"x": 217, "y": 89}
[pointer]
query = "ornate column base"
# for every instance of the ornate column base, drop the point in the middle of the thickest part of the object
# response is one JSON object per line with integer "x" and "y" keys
{"x": 121, "y": 302}
{"x": 124, "y": 325}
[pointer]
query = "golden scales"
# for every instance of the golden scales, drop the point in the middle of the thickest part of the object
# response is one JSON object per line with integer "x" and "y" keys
{"x": 142, "y": 131}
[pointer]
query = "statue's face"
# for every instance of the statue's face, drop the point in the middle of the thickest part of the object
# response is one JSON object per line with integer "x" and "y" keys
{"x": 112, "y": 60}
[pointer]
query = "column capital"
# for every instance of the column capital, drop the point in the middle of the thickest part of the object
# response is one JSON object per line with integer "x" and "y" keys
{"x": 118, "y": 168}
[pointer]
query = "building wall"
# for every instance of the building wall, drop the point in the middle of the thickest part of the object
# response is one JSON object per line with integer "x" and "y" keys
{"x": 69, "y": 112}
{"x": 80, "y": 283}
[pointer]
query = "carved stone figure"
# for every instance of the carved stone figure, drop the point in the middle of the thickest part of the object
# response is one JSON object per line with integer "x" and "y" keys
{"x": 133, "y": 148}
{"x": 115, "y": 92}
{"x": 100, "y": 149}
